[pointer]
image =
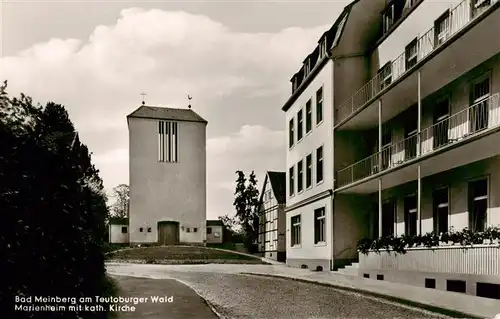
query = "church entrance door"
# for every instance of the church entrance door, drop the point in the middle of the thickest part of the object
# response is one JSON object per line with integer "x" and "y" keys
{"x": 168, "y": 233}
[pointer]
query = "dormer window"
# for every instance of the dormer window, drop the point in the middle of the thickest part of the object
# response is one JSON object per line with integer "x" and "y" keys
{"x": 307, "y": 67}
{"x": 322, "y": 49}
{"x": 294, "y": 84}
{"x": 340, "y": 28}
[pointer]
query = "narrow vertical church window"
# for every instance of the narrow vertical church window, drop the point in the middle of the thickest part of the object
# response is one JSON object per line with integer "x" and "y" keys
{"x": 160, "y": 141}
{"x": 169, "y": 145}
{"x": 174, "y": 142}
{"x": 167, "y": 142}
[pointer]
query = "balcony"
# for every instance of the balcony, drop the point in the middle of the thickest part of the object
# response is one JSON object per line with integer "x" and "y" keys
{"x": 458, "y": 128}
{"x": 424, "y": 46}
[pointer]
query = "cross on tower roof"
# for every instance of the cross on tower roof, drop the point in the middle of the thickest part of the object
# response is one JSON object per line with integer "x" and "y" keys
{"x": 143, "y": 95}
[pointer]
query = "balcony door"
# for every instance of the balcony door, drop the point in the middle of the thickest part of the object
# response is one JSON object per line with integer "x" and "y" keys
{"x": 411, "y": 130}
{"x": 440, "y": 129}
{"x": 479, "y": 110}
{"x": 478, "y": 204}
{"x": 440, "y": 210}
{"x": 410, "y": 206}
{"x": 386, "y": 149}
{"x": 388, "y": 218}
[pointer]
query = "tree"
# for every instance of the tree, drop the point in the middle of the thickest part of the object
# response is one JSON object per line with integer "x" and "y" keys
{"x": 252, "y": 197}
{"x": 245, "y": 202}
{"x": 240, "y": 201}
{"x": 121, "y": 206}
{"x": 53, "y": 209}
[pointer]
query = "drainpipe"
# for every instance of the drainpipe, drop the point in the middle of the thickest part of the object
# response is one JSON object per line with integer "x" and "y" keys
{"x": 332, "y": 58}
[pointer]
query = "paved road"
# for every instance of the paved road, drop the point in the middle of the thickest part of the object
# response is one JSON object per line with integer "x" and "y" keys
{"x": 245, "y": 296}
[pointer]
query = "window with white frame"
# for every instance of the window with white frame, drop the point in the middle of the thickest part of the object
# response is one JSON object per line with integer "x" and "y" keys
{"x": 291, "y": 181}
{"x": 308, "y": 170}
{"x": 478, "y": 204}
{"x": 322, "y": 48}
{"x": 307, "y": 67}
{"x": 300, "y": 176}
{"x": 440, "y": 210}
{"x": 168, "y": 142}
{"x": 319, "y": 105}
{"x": 296, "y": 230}
{"x": 319, "y": 164}
{"x": 479, "y": 112}
{"x": 410, "y": 210}
{"x": 300, "y": 125}
{"x": 291, "y": 133}
{"x": 308, "y": 116}
{"x": 442, "y": 28}
{"x": 319, "y": 225}
{"x": 385, "y": 75}
{"x": 411, "y": 54}
{"x": 388, "y": 18}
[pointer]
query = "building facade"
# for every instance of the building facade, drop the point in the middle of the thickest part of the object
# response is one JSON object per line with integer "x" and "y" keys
{"x": 118, "y": 230}
{"x": 272, "y": 219}
{"x": 215, "y": 232}
{"x": 416, "y": 145}
{"x": 316, "y": 237}
{"x": 167, "y": 159}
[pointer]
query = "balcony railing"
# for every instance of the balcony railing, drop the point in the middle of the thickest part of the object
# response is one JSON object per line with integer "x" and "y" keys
{"x": 458, "y": 17}
{"x": 472, "y": 120}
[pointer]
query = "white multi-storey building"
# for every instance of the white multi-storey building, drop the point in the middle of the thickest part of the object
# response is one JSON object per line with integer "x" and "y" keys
{"x": 426, "y": 128}
{"x": 316, "y": 238}
{"x": 413, "y": 136}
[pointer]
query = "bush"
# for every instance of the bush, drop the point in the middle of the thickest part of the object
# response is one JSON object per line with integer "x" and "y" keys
{"x": 465, "y": 238}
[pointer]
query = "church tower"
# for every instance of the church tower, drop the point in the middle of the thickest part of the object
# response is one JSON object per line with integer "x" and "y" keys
{"x": 167, "y": 166}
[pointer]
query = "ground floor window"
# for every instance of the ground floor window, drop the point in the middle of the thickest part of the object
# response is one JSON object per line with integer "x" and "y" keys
{"x": 295, "y": 221}
{"x": 410, "y": 206}
{"x": 478, "y": 204}
{"x": 440, "y": 210}
{"x": 388, "y": 218}
{"x": 319, "y": 225}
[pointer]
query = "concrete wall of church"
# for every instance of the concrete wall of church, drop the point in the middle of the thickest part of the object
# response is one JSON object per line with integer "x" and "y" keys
{"x": 162, "y": 191}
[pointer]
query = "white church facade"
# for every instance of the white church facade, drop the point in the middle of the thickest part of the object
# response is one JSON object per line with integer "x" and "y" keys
{"x": 167, "y": 167}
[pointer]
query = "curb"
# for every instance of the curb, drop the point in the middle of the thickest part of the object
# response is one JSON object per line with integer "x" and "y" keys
{"x": 411, "y": 303}
{"x": 212, "y": 307}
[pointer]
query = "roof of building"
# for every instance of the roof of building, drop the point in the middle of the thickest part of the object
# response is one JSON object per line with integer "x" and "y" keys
{"x": 118, "y": 220}
{"x": 214, "y": 223}
{"x": 277, "y": 180}
{"x": 316, "y": 62}
{"x": 167, "y": 113}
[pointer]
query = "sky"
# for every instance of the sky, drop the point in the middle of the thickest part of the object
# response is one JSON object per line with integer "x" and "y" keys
{"x": 234, "y": 58}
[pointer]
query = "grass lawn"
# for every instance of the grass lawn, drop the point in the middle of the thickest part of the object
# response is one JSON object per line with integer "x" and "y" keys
{"x": 182, "y": 255}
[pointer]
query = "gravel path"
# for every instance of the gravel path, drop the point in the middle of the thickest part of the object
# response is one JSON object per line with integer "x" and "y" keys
{"x": 246, "y": 296}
